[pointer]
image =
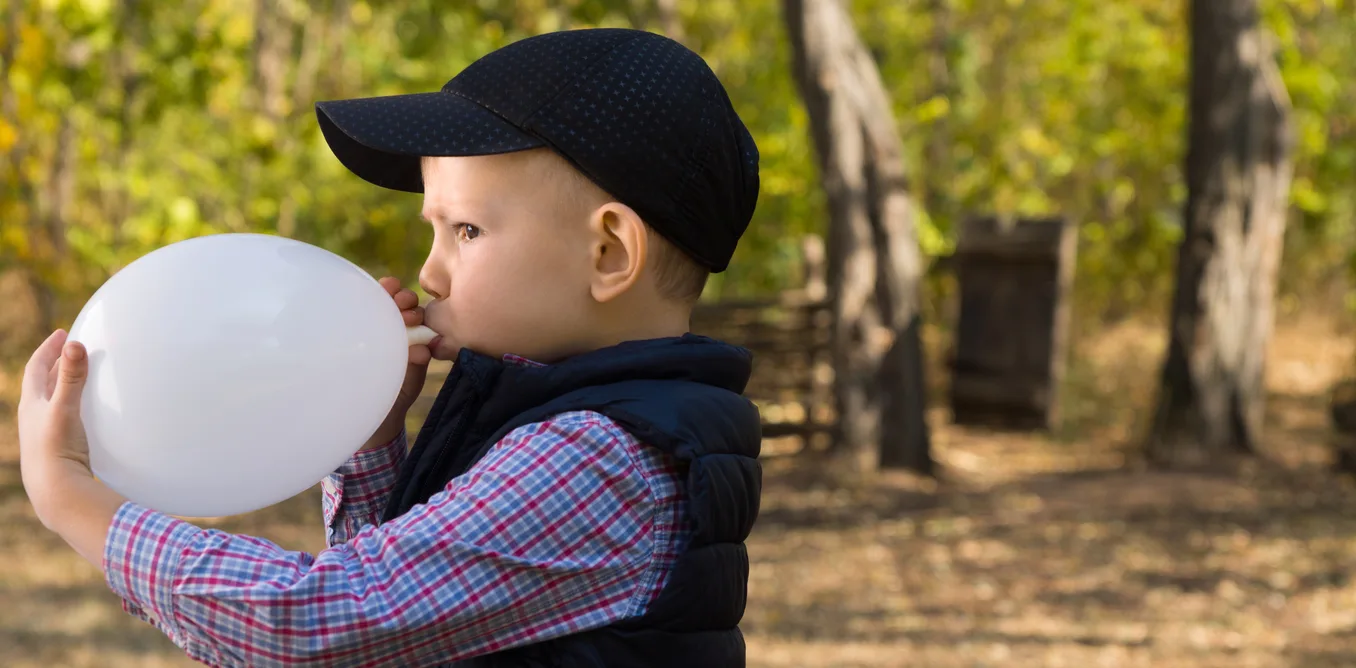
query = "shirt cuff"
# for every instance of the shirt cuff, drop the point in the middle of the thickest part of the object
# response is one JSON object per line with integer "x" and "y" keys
{"x": 362, "y": 484}
{"x": 141, "y": 558}
{"x": 374, "y": 462}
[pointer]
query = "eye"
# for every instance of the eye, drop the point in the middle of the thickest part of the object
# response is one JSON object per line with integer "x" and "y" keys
{"x": 465, "y": 231}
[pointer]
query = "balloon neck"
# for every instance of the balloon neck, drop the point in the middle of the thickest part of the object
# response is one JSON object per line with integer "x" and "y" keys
{"x": 420, "y": 336}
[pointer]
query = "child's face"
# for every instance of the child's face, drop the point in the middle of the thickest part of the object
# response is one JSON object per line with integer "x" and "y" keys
{"x": 511, "y": 261}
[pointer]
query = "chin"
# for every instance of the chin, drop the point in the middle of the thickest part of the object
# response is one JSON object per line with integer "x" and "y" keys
{"x": 443, "y": 349}
{"x": 447, "y": 349}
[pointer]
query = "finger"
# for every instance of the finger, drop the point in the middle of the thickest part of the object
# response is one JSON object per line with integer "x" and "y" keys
{"x": 420, "y": 355}
{"x": 406, "y": 299}
{"x": 54, "y": 373}
{"x": 440, "y": 348}
{"x": 74, "y": 370}
{"x": 389, "y": 283}
{"x": 413, "y": 317}
{"x": 52, "y": 377}
{"x": 36, "y": 380}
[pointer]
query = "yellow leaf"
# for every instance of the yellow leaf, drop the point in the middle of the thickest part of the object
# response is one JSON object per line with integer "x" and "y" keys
{"x": 360, "y": 12}
{"x": 95, "y": 8}
{"x": 7, "y": 136}
{"x": 237, "y": 30}
{"x": 14, "y": 237}
{"x": 937, "y": 107}
{"x": 1031, "y": 139}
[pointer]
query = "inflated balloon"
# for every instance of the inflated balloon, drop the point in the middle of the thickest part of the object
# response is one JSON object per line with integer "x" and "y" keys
{"x": 233, "y": 371}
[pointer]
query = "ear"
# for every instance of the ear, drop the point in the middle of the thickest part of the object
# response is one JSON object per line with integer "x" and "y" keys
{"x": 620, "y": 250}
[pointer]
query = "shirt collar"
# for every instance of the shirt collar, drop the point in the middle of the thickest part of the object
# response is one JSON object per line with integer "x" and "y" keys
{"x": 521, "y": 361}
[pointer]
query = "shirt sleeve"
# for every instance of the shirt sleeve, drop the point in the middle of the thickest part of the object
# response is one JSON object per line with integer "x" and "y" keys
{"x": 552, "y": 533}
{"x": 355, "y": 495}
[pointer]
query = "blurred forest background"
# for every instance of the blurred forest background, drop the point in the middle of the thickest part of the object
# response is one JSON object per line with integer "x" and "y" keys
{"x": 125, "y": 126}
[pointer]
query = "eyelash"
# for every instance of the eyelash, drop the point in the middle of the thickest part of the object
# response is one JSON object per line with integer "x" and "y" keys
{"x": 464, "y": 231}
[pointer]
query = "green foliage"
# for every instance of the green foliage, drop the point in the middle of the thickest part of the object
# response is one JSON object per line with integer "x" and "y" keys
{"x": 126, "y": 126}
{"x": 185, "y": 127}
{"x": 1079, "y": 109}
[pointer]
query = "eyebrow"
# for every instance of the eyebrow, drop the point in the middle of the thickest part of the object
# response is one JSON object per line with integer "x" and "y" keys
{"x": 438, "y": 212}
{"x": 442, "y": 213}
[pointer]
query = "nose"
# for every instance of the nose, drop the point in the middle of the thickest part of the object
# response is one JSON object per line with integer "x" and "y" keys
{"x": 433, "y": 277}
{"x": 428, "y": 287}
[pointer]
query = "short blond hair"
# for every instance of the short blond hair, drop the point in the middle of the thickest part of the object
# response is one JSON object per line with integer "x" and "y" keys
{"x": 677, "y": 276}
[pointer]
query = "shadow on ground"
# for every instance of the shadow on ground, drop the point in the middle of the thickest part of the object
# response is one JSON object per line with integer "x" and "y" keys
{"x": 1031, "y": 550}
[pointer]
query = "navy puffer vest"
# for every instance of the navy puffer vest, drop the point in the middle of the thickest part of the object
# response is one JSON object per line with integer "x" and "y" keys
{"x": 682, "y": 395}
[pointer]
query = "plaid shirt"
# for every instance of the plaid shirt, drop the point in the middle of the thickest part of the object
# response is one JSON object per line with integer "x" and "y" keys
{"x": 566, "y": 525}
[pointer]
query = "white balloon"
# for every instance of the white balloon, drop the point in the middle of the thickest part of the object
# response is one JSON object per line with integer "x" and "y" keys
{"x": 232, "y": 371}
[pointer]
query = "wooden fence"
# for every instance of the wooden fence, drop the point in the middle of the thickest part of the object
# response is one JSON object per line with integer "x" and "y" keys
{"x": 792, "y": 373}
{"x": 1009, "y": 347}
{"x": 789, "y": 337}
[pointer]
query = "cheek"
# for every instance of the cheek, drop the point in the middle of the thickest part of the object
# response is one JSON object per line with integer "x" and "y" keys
{"x": 514, "y": 285}
{"x": 484, "y": 282}
{"x": 489, "y": 281}
{"x": 556, "y": 278}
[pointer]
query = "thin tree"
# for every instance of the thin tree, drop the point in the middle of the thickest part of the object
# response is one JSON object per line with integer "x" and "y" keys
{"x": 1238, "y": 171}
{"x": 874, "y": 264}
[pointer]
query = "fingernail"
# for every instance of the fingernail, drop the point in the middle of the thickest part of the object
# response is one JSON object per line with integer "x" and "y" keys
{"x": 75, "y": 353}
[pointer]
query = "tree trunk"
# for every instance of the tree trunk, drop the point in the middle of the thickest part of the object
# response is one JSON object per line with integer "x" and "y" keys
{"x": 12, "y": 13}
{"x": 12, "y": 179}
{"x": 1238, "y": 180}
{"x": 130, "y": 36}
{"x": 874, "y": 265}
{"x": 669, "y": 20}
{"x": 60, "y": 189}
{"x": 315, "y": 43}
{"x": 272, "y": 53}
{"x": 9, "y": 102}
{"x": 335, "y": 79}
{"x": 938, "y": 148}
{"x": 270, "y": 67}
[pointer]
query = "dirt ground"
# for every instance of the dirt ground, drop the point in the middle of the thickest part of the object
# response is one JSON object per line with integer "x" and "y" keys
{"x": 1031, "y": 550}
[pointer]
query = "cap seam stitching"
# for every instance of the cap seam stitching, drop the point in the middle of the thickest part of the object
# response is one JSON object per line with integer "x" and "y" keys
{"x": 687, "y": 178}
{"x": 572, "y": 81}
{"x": 534, "y": 112}
{"x": 696, "y": 167}
{"x": 528, "y": 118}
{"x": 547, "y": 140}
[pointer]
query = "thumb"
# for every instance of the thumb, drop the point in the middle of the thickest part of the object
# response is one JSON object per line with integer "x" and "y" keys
{"x": 71, "y": 376}
{"x": 415, "y": 374}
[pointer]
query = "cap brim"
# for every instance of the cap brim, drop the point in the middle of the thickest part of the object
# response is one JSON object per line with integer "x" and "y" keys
{"x": 381, "y": 139}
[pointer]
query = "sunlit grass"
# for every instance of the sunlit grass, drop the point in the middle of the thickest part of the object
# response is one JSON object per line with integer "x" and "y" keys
{"x": 1032, "y": 550}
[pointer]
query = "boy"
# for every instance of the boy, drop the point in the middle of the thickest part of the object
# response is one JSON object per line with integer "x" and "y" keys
{"x": 581, "y": 490}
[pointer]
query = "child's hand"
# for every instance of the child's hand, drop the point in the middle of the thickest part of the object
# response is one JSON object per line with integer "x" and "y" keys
{"x": 54, "y": 453}
{"x": 414, "y": 373}
{"x": 52, "y": 443}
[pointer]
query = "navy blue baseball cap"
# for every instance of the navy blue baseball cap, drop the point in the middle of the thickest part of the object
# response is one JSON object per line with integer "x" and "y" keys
{"x": 639, "y": 114}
